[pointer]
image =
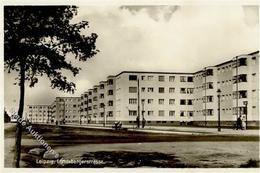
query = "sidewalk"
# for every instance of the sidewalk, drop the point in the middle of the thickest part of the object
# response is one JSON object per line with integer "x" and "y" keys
{"x": 176, "y": 130}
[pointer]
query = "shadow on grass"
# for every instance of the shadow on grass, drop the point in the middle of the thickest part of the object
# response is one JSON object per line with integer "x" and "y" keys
{"x": 251, "y": 163}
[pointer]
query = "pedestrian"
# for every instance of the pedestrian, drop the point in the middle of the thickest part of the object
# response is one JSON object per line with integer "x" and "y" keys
{"x": 115, "y": 125}
{"x": 138, "y": 122}
{"x": 143, "y": 122}
{"x": 239, "y": 123}
{"x": 243, "y": 124}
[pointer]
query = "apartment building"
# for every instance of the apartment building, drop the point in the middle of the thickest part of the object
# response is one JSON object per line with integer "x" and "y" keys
{"x": 238, "y": 82}
{"x": 160, "y": 98}
{"x": 39, "y": 113}
{"x": 98, "y": 103}
{"x": 168, "y": 98}
{"x": 66, "y": 110}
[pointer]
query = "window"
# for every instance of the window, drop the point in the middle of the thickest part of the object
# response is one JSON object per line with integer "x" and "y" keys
{"x": 209, "y": 72}
{"x": 183, "y": 91}
{"x": 182, "y": 113}
{"x": 110, "y": 92}
{"x": 182, "y": 102}
{"x": 95, "y": 90}
{"x": 190, "y": 102}
{"x": 208, "y": 112}
{"x": 161, "y": 90}
{"x": 110, "y": 82}
{"x": 150, "y": 113}
{"x": 161, "y": 78}
{"x": 171, "y": 113}
{"x": 183, "y": 78}
{"x": 132, "y": 112}
{"x": 209, "y": 85}
{"x": 85, "y": 95}
{"x": 190, "y": 79}
{"x": 132, "y": 77}
{"x": 132, "y": 89}
{"x": 150, "y": 101}
{"x": 190, "y": 113}
{"x": 102, "y": 86}
{"x": 241, "y": 110}
{"x": 171, "y": 101}
{"x": 171, "y": 78}
{"x": 101, "y": 105}
{"x": 242, "y": 62}
{"x": 161, "y": 113}
{"x": 171, "y": 90}
{"x": 110, "y": 103}
{"x": 143, "y": 89}
{"x": 190, "y": 90}
{"x": 241, "y": 94}
{"x": 240, "y": 78}
{"x": 90, "y": 93}
{"x": 161, "y": 101}
{"x": 95, "y": 98}
{"x": 142, "y": 77}
{"x": 90, "y": 100}
{"x": 209, "y": 99}
{"x": 132, "y": 101}
{"x": 149, "y": 78}
{"x": 110, "y": 113}
{"x": 150, "y": 89}
{"x": 101, "y": 96}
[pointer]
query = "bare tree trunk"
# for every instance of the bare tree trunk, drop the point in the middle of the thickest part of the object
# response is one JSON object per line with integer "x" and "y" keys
{"x": 18, "y": 133}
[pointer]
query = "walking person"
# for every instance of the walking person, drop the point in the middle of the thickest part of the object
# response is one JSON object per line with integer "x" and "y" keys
{"x": 243, "y": 124}
{"x": 143, "y": 122}
{"x": 138, "y": 121}
{"x": 239, "y": 123}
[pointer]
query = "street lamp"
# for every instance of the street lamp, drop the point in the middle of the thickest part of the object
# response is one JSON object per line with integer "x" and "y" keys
{"x": 143, "y": 120}
{"x": 219, "y": 92}
{"x": 103, "y": 105}
{"x": 245, "y": 103}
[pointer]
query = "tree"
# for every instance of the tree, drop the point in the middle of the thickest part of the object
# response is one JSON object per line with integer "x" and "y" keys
{"x": 7, "y": 119}
{"x": 37, "y": 40}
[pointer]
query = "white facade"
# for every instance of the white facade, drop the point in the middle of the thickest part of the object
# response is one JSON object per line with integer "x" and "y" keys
{"x": 163, "y": 97}
{"x": 233, "y": 94}
{"x": 66, "y": 110}
{"x": 39, "y": 113}
{"x": 166, "y": 98}
{"x": 98, "y": 104}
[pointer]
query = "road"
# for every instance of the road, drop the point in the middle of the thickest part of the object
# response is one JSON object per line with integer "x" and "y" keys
{"x": 206, "y": 151}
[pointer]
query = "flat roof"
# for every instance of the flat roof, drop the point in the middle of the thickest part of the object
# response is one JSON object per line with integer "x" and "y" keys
{"x": 110, "y": 76}
{"x": 152, "y": 72}
{"x": 38, "y": 105}
{"x": 69, "y": 97}
{"x": 256, "y": 52}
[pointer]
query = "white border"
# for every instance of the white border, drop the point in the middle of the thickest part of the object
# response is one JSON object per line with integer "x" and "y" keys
{"x": 112, "y": 3}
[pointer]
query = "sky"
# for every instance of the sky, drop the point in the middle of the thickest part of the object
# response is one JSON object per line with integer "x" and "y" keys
{"x": 151, "y": 38}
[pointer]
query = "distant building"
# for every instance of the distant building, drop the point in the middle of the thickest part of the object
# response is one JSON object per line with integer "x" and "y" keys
{"x": 66, "y": 110}
{"x": 39, "y": 113}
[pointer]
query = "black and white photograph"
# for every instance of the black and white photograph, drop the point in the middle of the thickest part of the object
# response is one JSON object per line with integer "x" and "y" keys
{"x": 130, "y": 86}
